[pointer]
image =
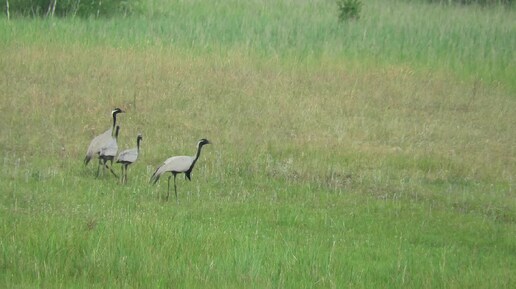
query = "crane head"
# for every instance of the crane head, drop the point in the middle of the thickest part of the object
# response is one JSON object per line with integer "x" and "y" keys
{"x": 116, "y": 111}
{"x": 204, "y": 142}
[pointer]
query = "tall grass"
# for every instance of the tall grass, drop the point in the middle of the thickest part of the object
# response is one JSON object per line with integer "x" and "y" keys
{"x": 470, "y": 41}
{"x": 328, "y": 169}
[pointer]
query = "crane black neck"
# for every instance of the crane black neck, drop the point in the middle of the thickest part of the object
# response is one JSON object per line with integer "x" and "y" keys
{"x": 197, "y": 154}
{"x": 117, "y": 130}
{"x": 138, "y": 140}
{"x": 114, "y": 120}
{"x": 199, "y": 147}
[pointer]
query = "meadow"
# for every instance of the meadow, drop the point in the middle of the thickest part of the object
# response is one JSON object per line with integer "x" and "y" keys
{"x": 378, "y": 153}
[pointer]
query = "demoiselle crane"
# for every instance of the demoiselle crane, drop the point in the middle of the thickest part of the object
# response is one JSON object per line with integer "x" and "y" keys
{"x": 101, "y": 140}
{"x": 178, "y": 165}
{"x": 128, "y": 157}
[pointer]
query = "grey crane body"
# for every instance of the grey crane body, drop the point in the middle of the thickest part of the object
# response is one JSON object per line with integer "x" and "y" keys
{"x": 96, "y": 144}
{"x": 178, "y": 165}
{"x": 128, "y": 157}
{"x": 108, "y": 152}
{"x": 101, "y": 141}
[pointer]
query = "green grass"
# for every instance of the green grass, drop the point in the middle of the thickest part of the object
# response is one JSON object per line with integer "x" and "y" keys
{"x": 368, "y": 155}
{"x": 471, "y": 42}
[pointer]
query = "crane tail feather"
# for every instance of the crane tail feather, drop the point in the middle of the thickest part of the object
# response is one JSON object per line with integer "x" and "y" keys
{"x": 155, "y": 177}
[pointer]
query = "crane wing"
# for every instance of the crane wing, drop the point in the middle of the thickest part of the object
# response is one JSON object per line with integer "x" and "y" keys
{"x": 110, "y": 149}
{"x": 178, "y": 164}
{"x": 129, "y": 155}
{"x": 97, "y": 143}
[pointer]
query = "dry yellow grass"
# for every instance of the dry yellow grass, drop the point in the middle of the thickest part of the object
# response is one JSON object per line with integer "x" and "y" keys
{"x": 245, "y": 105}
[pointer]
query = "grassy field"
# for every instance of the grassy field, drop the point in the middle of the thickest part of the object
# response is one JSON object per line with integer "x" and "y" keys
{"x": 373, "y": 154}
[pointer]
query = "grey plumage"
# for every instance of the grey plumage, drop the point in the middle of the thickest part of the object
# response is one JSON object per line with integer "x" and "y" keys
{"x": 101, "y": 140}
{"x": 108, "y": 152}
{"x": 178, "y": 165}
{"x": 128, "y": 157}
{"x": 96, "y": 144}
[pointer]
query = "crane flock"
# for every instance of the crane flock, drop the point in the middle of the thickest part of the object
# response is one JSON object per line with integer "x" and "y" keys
{"x": 105, "y": 148}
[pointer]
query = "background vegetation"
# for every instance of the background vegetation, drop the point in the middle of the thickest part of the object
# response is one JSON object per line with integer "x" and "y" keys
{"x": 471, "y": 2}
{"x": 73, "y": 8}
{"x": 376, "y": 153}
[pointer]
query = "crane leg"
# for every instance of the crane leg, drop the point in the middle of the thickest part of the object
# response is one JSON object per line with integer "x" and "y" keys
{"x": 104, "y": 168}
{"x": 175, "y": 188}
{"x": 113, "y": 172}
{"x": 168, "y": 187}
{"x": 98, "y": 167}
{"x": 159, "y": 195}
{"x": 122, "y": 174}
{"x": 111, "y": 169}
{"x": 125, "y": 174}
